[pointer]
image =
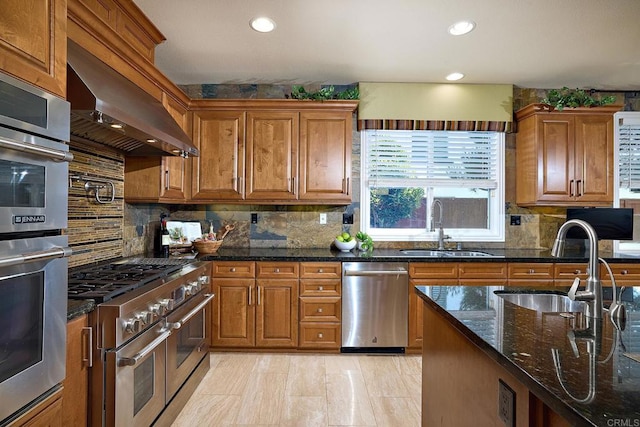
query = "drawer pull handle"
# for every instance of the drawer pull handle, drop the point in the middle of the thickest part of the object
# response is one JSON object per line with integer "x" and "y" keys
{"x": 320, "y": 270}
{"x": 532, "y": 271}
{"x": 232, "y": 269}
{"x": 277, "y": 270}
{"x": 319, "y": 310}
{"x": 321, "y": 288}
{"x": 577, "y": 272}
{"x": 320, "y": 335}
{"x": 624, "y": 272}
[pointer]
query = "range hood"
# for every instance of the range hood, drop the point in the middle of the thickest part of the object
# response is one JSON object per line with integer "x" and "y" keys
{"x": 109, "y": 109}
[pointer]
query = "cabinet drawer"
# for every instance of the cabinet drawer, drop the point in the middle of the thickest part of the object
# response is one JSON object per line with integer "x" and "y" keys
{"x": 320, "y": 288}
{"x": 320, "y": 270}
{"x": 276, "y": 270}
{"x": 564, "y": 274}
{"x": 433, "y": 270}
{"x": 537, "y": 271}
{"x": 244, "y": 269}
{"x": 320, "y": 335}
{"x": 483, "y": 270}
{"x": 623, "y": 273}
{"x": 320, "y": 309}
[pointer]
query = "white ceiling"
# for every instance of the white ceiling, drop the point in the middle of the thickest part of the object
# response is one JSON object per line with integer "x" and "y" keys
{"x": 528, "y": 43}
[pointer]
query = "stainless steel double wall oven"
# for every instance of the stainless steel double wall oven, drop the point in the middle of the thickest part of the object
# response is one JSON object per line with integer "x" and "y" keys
{"x": 33, "y": 251}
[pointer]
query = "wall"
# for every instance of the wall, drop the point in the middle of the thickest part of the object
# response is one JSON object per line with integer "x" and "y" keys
{"x": 298, "y": 226}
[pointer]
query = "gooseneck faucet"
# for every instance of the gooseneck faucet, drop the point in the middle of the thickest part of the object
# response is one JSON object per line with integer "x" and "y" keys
{"x": 441, "y": 235}
{"x": 593, "y": 289}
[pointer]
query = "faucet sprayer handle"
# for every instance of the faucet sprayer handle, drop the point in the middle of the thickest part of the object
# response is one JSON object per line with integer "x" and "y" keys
{"x": 574, "y": 289}
{"x": 571, "y": 335}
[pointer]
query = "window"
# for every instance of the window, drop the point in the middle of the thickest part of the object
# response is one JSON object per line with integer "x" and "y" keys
{"x": 627, "y": 182}
{"x": 404, "y": 172}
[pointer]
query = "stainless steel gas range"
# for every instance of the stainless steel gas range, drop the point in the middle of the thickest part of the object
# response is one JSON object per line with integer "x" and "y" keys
{"x": 150, "y": 337}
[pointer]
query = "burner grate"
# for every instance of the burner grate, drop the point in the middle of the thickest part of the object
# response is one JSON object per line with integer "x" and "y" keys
{"x": 107, "y": 281}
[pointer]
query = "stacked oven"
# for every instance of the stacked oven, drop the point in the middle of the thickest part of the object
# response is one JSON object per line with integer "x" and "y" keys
{"x": 33, "y": 250}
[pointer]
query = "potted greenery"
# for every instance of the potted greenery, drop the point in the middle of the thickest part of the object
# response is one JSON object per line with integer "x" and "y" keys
{"x": 571, "y": 98}
{"x": 323, "y": 94}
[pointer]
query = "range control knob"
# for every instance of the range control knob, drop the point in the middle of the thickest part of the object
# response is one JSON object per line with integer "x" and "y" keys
{"x": 167, "y": 304}
{"x": 157, "y": 309}
{"x": 191, "y": 288}
{"x": 132, "y": 326}
{"x": 203, "y": 280}
{"x": 146, "y": 317}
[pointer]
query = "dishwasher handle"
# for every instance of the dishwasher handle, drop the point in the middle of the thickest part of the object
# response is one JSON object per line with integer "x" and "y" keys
{"x": 376, "y": 273}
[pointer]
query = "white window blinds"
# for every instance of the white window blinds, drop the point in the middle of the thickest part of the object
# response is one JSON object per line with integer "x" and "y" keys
{"x": 432, "y": 158}
{"x": 628, "y": 134}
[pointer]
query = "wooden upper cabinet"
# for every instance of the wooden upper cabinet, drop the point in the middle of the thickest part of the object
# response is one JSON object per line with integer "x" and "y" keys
{"x": 33, "y": 42}
{"x": 218, "y": 173}
{"x": 159, "y": 179}
{"x": 325, "y": 156}
{"x": 272, "y": 155}
{"x": 565, "y": 157}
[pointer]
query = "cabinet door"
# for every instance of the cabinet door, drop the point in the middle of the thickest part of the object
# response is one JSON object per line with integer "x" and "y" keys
{"x": 272, "y": 156}
{"x": 75, "y": 390}
{"x": 33, "y": 42}
{"x": 218, "y": 172}
{"x": 594, "y": 158}
{"x": 277, "y": 313}
{"x": 555, "y": 158}
{"x": 234, "y": 313}
{"x": 325, "y": 156}
{"x": 174, "y": 168}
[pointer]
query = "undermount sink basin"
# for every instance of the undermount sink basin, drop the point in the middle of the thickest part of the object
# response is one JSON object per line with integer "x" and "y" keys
{"x": 544, "y": 302}
{"x": 432, "y": 253}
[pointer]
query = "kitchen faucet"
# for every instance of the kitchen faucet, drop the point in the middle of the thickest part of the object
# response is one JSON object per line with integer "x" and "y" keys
{"x": 441, "y": 235}
{"x": 593, "y": 290}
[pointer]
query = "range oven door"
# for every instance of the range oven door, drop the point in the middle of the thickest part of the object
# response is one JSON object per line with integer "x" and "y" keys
{"x": 189, "y": 341}
{"x": 135, "y": 379}
{"x": 33, "y": 315}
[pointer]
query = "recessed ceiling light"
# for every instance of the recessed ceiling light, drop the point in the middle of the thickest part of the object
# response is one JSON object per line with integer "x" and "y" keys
{"x": 152, "y": 140}
{"x": 117, "y": 125}
{"x": 262, "y": 24}
{"x": 454, "y": 76}
{"x": 461, "y": 27}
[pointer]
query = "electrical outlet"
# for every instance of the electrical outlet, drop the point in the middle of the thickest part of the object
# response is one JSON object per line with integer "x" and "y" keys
{"x": 506, "y": 404}
{"x": 347, "y": 218}
{"x": 254, "y": 218}
{"x": 516, "y": 220}
{"x": 323, "y": 218}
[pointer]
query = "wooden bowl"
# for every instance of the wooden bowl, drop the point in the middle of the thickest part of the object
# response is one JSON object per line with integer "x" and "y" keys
{"x": 207, "y": 246}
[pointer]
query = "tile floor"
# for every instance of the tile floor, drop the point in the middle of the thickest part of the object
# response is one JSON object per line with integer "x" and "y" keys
{"x": 255, "y": 389}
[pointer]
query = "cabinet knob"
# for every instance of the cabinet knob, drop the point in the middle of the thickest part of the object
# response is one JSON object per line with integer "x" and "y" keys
{"x": 319, "y": 310}
{"x": 277, "y": 270}
{"x": 577, "y": 272}
{"x": 232, "y": 269}
{"x": 320, "y": 270}
{"x": 624, "y": 272}
{"x": 532, "y": 271}
{"x": 321, "y": 288}
{"x": 320, "y": 335}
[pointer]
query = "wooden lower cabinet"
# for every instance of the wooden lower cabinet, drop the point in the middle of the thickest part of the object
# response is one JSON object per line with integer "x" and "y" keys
{"x": 250, "y": 312}
{"x": 47, "y": 413}
{"x": 75, "y": 400}
{"x": 565, "y": 273}
{"x": 320, "y": 305}
{"x": 624, "y": 274}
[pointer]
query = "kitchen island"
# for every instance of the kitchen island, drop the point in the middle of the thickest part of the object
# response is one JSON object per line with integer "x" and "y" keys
{"x": 555, "y": 368}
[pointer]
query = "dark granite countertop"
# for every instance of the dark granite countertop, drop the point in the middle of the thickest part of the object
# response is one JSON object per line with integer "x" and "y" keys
{"x": 522, "y": 340}
{"x": 320, "y": 254}
{"x": 77, "y": 308}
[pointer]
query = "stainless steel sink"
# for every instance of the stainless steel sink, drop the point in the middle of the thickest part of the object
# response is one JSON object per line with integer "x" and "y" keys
{"x": 544, "y": 302}
{"x": 432, "y": 253}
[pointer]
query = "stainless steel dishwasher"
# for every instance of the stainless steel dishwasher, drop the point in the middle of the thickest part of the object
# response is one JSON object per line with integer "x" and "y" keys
{"x": 375, "y": 300}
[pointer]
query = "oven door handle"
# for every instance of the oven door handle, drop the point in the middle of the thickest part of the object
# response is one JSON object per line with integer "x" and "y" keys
{"x": 56, "y": 252}
{"x": 57, "y": 155}
{"x": 132, "y": 361}
{"x": 196, "y": 309}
